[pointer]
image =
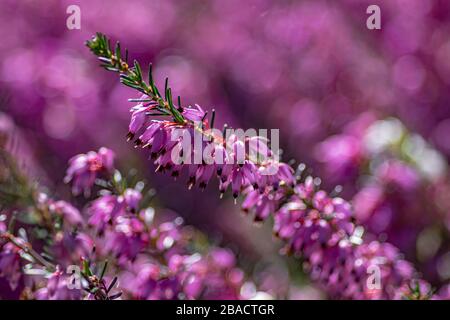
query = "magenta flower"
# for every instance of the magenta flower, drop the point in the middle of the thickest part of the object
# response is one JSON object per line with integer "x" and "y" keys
{"x": 319, "y": 228}
{"x": 71, "y": 246}
{"x": 108, "y": 208}
{"x": 138, "y": 118}
{"x": 398, "y": 174}
{"x": 415, "y": 290}
{"x": 132, "y": 198}
{"x": 194, "y": 114}
{"x": 166, "y": 235}
{"x": 58, "y": 288}
{"x": 67, "y": 212}
{"x": 227, "y": 159}
{"x": 213, "y": 276}
{"x": 84, "y": 169}
{"x": 126, "y": 239}
{"x": 103, "y": 210}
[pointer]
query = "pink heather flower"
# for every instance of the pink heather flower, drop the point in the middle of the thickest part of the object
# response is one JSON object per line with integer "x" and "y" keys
{"x": 132, "y": 198}
{"x": 103, "y": 210}
{"x": 319, "y": 228}
{"x": 148, "y": 136}
{"x": 134, "y": 240}
{"x": 414, "y": 290}
{"x": 10, "y": 263}
{"x": 226, "y": 159}
{"x": 367, "y": 201}
{"x": 84, "y": 169}
{"x": 70, "y": 246}
{"x": 142, "y": 281}
{"x": 166, "y": 235}
{"x": 223, "y": 257}
{"x": 57, "y": 288}
{"x": 444, "y": 293}
{"x": 213, "y": 276}
{"x": 187, "y": 276}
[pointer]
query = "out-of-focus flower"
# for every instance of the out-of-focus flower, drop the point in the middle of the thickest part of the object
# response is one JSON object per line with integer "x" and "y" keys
{"x": 415, "y": 290}
{"x": 342, "y": 155}
{"x": 10, "y": 264}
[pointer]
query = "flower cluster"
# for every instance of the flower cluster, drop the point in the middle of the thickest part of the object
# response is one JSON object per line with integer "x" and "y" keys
{"x": 186, "y": 276}
{"x": 9, "y": 261}
{"x": 120, "y": 248}
{"x": 57, "y": 288}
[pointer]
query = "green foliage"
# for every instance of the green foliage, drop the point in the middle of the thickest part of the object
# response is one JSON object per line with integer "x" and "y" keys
{"x": 112, "y": 60}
